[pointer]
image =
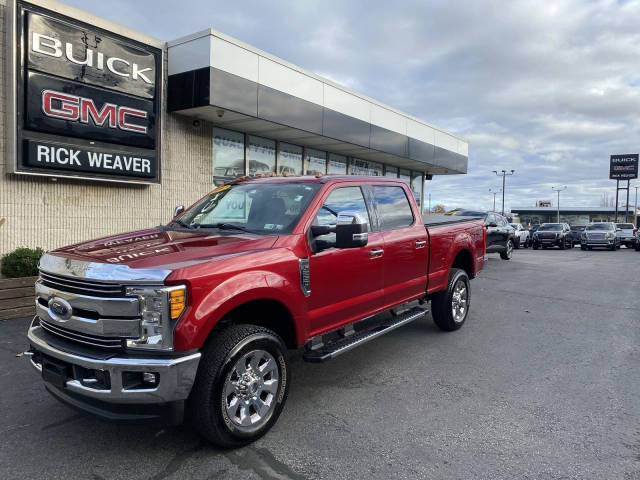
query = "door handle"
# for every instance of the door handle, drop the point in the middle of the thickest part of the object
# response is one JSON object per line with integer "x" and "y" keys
{"x": 420, "y": 243}
{"x": 376, "y": 253}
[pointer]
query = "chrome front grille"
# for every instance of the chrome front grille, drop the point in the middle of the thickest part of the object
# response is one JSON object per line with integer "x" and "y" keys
{"x": 74, "y": 336}
{"x": 81, "y": 286}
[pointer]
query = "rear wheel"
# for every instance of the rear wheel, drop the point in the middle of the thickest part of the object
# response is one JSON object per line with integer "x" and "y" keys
{"x": 241, "y": 385}
{"x": 508, "y": 252}
{"x": 583, "y": 247}
{"x": 450, "y": 308}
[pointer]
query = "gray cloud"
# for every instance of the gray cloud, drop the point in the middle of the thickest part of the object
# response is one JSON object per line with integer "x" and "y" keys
{"x": 550, "y": 89}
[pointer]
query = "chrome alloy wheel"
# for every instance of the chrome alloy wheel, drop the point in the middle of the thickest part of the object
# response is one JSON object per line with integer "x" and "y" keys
{"x": 250, "y": 390}
{"x": 459, "y": 301}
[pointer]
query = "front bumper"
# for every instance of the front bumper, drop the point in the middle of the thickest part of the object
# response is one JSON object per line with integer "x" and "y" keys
{"x": 605, "y": 242}
{"x": 554, "y": 242}
{"x": 110, "y": 399}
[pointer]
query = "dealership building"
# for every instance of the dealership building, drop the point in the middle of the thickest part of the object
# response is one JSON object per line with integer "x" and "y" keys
{"x": 573, "y": 215}
{"x": 108, "y": 129}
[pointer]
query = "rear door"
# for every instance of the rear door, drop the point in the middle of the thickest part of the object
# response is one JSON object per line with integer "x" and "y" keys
{"x": 405, "y": 244}
{"x": 346, "y": 284}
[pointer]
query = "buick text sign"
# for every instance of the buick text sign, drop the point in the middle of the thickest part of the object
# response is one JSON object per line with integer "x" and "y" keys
{"x": 88, "y": 100}
{"x": 624, "y": 167}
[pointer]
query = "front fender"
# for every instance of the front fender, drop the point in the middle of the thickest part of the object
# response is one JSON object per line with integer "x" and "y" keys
{"x": 193, "y": 330}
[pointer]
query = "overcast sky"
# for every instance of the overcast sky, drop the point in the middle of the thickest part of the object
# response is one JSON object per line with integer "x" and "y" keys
{"x": 549, "y": 89}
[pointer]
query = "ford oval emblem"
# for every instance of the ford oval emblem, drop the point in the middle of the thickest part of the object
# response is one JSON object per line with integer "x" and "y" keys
{"x": 60, "y": 308}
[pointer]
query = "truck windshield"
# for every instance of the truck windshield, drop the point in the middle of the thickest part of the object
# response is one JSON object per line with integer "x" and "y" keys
{"x": 550, "y": 228}
{"x": 625, "y": 226}
{"x": 263, "y": 208}
{"x": 600, "y": 226}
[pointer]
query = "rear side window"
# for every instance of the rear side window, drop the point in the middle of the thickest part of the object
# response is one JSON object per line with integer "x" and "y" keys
{"x": 393, "y": 207}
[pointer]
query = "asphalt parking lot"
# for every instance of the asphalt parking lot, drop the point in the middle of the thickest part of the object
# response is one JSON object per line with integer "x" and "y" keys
{"x": 543, "y": 382}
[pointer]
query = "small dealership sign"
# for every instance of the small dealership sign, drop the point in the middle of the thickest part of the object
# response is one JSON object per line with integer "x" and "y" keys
{"x": 87, "y": 100}
{"x": 623, "y": 167}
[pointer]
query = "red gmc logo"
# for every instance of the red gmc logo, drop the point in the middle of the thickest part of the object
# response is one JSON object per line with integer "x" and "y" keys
{"x": 73, "y": 108}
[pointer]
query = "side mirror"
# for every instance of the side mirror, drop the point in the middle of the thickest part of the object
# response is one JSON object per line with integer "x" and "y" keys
{"x": 618, "y": 229}
{"x": 178, "y": 210}
{"x": 351, "y": 230}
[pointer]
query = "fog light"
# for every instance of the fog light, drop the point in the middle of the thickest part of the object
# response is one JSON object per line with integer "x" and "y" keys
{"x": 140, "y": 380}
{"x": 150, "y": 377}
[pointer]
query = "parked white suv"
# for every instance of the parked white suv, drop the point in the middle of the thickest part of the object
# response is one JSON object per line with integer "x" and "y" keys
{"x": 626, "y": 233}
{"x": 521, "y": 235}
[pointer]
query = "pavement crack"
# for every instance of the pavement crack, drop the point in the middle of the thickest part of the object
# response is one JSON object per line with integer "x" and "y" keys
{"x": 70, "y": 419}
{"x": 262, "y": 462}
{"x": 177, "y": 462}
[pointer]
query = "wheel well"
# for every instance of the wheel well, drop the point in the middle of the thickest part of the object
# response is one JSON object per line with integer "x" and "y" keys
{"x": 464, "y": 260}
{"x": 266, "y": 313}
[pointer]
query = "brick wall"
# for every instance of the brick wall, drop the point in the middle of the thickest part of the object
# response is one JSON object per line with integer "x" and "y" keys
{"x": 42, "y": 213}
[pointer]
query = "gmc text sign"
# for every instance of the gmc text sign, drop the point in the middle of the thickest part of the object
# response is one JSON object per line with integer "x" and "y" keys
{"x": 623, "y": 167}
{"x": 89, "y": 100}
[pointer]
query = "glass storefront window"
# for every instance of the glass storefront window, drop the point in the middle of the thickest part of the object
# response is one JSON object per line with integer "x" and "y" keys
{"x": 315, "y": 161}
{"x": 365, "y": 167}
{"x": 262, "y": 155}
{"x": 228, "y": 155}
{"x": 405, "y": 175}
{"x": 416, "y": 180}
{"x": 391, "y": 172}
{"x": 337, "y": 164}
{"x": 289, "y": 159}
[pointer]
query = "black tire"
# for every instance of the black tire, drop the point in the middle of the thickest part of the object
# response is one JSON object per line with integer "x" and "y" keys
{"x": 442, "y": 302}
{"x": 207, "y": 401}
{"x": 583, "y": 247}
{"x": 613, "y": 247}
{"x": 508, "y": 252}
{"x": 589, "y": 248}
{"x": 563, "y": 244}
{"x": 536, "y": 246}
{"x": 637, "y": 247}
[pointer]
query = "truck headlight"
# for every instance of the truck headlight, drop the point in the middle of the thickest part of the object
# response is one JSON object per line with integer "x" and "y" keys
{"x": 611, "y": 235}
{"x": 160, "y": 308}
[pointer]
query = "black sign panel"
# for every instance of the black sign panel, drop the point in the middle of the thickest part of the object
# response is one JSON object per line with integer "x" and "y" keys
{"x": 77, "y": 110}
{"x": 623, "y": 167}
{"x": 67, "y": 51}
{"x": 54, "y": 156}
{"x": 88, "y": 100}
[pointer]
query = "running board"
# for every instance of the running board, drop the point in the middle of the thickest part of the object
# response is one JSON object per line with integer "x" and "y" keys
{"x": 343, "y": 345}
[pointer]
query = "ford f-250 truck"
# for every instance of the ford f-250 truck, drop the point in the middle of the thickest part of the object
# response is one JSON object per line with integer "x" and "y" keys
{"x": 197, "y": 316}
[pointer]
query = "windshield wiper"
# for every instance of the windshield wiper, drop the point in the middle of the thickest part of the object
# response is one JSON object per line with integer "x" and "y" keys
{"x": 224, "y": 226}
{"x": 182, "y": 224}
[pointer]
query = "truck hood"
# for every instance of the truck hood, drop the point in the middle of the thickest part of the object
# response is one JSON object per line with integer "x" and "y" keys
{"x": 167, "y": 250}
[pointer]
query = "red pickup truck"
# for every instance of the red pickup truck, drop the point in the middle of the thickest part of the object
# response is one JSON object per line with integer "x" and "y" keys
{"x": 197, "y": 316}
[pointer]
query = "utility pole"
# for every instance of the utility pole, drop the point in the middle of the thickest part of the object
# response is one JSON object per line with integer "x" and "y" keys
{"x": 559, "y": 189}
{"x": 635, "y": 208}
{"x": 495, "y": 192}
{"x": 503, "y": 174}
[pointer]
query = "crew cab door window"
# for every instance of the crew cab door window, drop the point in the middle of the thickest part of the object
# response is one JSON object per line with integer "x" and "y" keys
{"x": 393, "y": 207}
{"x": 343, "y": 198}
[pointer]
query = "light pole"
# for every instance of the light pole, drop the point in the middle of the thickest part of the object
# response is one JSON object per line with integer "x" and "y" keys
{"x": 559, "y": 189}
{"x": 635, "y": 208}
{"x": 503, "y": 174}
{"x": 495, "y": 192}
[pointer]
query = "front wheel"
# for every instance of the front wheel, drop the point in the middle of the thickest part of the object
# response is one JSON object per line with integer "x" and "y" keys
{"x": 450, "y": 308}
{"x": 583, "y": 247}
{"x": 241, "y": 385}
{"x": 508, "y": 252}
{"x": 536, "y": 246}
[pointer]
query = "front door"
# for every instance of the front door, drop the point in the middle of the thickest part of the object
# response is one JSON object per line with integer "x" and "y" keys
{"x": 346, "y": 284}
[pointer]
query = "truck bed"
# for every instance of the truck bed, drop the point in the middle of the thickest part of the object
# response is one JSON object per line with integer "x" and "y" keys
{"x": 437, "y": 220}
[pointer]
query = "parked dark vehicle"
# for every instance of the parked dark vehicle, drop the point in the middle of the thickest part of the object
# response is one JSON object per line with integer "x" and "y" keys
{"x": 576, "y": 234}
{"x": 552, "y": 235}
{"x": 501, "y": 236}
{"x": 637, "y": 244}
{"x": 626, "y": 233}
{"x": 600, "y": 235}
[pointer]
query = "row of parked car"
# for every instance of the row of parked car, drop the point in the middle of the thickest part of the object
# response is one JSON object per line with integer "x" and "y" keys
{"x": 503, "y": 237}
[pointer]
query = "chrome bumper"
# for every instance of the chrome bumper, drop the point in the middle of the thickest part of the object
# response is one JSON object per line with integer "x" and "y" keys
{"x": 176, "y": 375}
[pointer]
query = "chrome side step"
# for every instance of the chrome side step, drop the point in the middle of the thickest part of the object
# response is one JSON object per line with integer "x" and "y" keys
{"x": 319, "y": 352}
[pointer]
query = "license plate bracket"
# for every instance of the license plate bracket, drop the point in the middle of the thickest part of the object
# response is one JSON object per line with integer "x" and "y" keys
{"x": 55, "y": 373}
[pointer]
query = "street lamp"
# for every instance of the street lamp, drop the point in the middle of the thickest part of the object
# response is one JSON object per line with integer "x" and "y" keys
{"x": 559, "y": 189}
{"x": 635, "y": 208}
{"x": 495, "y": 191}
{"x": 503, "y": 174}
